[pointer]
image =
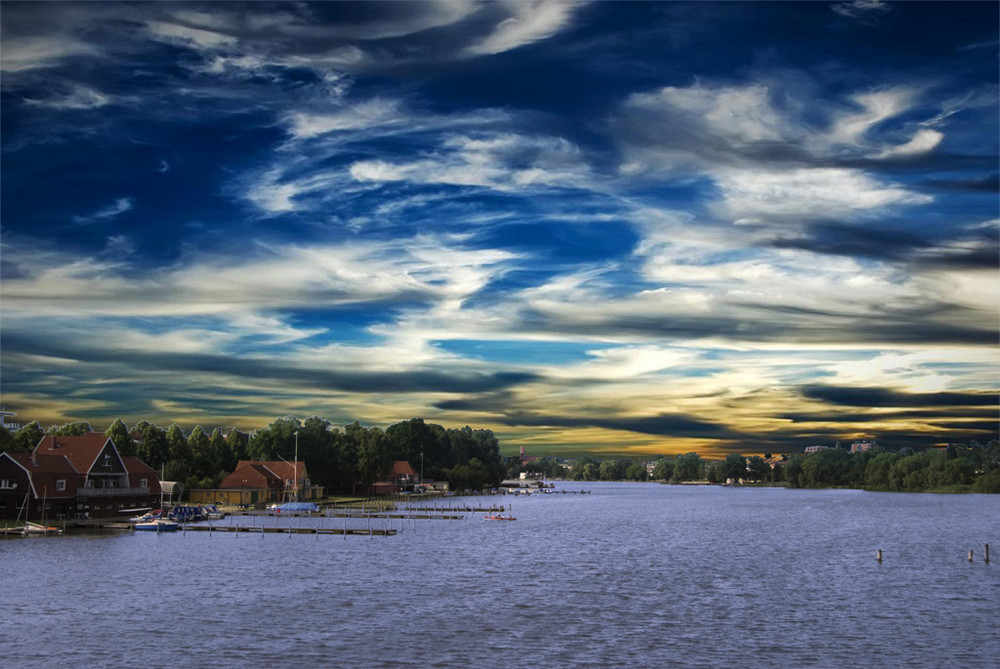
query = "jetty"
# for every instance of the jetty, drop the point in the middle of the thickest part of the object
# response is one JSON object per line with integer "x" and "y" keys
{"x": 263, "y": 529}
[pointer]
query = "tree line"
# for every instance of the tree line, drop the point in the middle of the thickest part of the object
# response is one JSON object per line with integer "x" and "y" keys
{"x": 975, "y": 468}
{"x": 338, "y": 459}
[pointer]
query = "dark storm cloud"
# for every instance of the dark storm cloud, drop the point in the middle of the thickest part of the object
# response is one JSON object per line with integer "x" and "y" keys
{"x": 264, "y": 370}
{"x": 667, "y": 425}
{"x": 882, "y": 416}
{"x": 940, "y": 324}
{"x": 978, "y": 249}
{"x": 885, "y": 397}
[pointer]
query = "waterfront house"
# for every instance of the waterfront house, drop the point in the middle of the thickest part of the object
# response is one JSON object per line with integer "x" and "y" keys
{"x": 75, "y": 477}
{"x": 401, "y": 477}
{"x": 258, "y": 482}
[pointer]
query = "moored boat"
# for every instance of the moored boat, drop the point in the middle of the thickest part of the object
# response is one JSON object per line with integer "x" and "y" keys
{"x": 157, "y": 525}
{"x": 500, "y": 517}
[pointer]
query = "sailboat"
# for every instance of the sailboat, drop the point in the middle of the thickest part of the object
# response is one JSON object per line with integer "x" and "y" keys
{"x": 35, "y": 528}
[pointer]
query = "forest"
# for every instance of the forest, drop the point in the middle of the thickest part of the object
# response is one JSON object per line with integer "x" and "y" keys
{"x": 469, "y": 459}
{"x": 336, "y": 458}
{"x": 956, "y": 468}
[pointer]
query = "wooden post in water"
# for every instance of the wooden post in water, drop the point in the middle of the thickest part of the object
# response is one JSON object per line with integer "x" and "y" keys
{"x": 878, "y": 555}
{"x": 970, "y": 555}
{"x": 986, "y": 552}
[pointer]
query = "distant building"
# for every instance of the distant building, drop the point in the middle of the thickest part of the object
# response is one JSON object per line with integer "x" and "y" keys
{"x": 862, "y": 445}
{"x": 816, "y": 449}
{"x": 11, "y": 427}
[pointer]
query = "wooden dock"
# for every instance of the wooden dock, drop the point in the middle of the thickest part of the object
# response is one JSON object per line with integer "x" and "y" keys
{"x": 260, "y": 529}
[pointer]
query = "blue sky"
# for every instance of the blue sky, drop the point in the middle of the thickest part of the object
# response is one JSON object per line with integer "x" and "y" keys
{"x": 618, "y": 227}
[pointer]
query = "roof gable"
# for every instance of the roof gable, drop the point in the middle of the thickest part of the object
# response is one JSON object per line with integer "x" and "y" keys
{"x": 44, "y": 471}
{"x": 402, "y": 468}
{"x": 82, "y": 451}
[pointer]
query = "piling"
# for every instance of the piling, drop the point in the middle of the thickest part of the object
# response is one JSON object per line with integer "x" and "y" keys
{"x": 878, "y": 555}
{"x": 986, "y": 553}
{"x": 970, "y": 556}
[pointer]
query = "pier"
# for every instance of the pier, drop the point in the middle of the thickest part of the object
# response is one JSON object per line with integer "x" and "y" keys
{"x": 261, "y": 529}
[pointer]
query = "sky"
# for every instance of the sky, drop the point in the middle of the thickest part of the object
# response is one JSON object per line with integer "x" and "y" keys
{"x": 622, "y": 228}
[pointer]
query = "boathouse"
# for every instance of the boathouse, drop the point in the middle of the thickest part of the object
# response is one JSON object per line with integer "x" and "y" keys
{"x": 260, "y": 482}
{"x": 75, "y": 477}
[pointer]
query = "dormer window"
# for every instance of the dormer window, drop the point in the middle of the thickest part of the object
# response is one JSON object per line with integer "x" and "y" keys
{"x": 60, "y": 484}
{"x": 7, "y": 484}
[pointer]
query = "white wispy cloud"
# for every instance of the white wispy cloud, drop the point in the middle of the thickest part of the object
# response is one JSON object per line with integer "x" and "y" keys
{"x": 365, "y": 114}
{"x": 862, "y": 11}
{"x": 528, "y": 21}
{"x": 22, "y": 53}
{"x": 79, "y": 97}
{"x": 750, "y": 196}
{"x": 499, "y": 161}
{"x": 272, "y": 277}
{"x": 117, "y": 208}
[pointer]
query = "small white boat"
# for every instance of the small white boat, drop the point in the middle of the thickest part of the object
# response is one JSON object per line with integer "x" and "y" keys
{"x": 35, "y": 528}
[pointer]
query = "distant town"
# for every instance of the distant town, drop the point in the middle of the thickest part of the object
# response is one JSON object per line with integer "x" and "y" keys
{"x": 72, "y": 471}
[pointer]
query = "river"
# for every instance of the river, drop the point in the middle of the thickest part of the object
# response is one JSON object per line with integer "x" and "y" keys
{"x": 637, "y": 575}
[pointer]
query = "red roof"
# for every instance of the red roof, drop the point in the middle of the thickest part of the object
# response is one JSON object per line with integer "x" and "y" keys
{"x": 82, "y": 451}
{"x": 402, "y": 468}
{"x": 283, "y": 470}
{"x": 253, "y": 475}
{"x": 138, "y": 470}
{"x": 45, "y": 470}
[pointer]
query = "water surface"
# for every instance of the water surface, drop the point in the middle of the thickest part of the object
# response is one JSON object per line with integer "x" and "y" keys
{"x": 639, "y": 575}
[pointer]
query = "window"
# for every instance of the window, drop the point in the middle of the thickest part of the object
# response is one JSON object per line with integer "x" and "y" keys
{"x": 90, "y": 483}
{"x": 7, "y": 484}
{"x": 60, "y": 484}
{"x": 143, "y": 483}
{"x": 111, "y": 484}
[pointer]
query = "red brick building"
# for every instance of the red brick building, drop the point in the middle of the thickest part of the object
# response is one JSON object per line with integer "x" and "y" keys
{"x": 75, "y": 477}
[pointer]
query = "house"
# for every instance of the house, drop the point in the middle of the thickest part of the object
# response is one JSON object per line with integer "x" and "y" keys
{"x": 863, "y": 445}
{"x": 75, "y": 477}
{"x": 401, "y": 477}
{"x": 259, "y": 482}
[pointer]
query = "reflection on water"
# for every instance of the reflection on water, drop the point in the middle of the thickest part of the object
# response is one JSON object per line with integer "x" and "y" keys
{"x": 634, "y": 574}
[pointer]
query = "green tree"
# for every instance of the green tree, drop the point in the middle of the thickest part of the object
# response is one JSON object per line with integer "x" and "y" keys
{"x": 414, "y": 439}
{"x": 202, "y": 463}
{"x": 235, "y": 450}
{"x": 733, "y": 467}
{"x": 688, "y": 467}
{"x": 153, "y": 448}
{"x": 217, "y": 452}
{"x": 317, "y": 448}
{"x": 120, "y": 435}
{"x": 636, "y": 472}
{"x": 663, "y": 470}
{"x": 275, "y": 441}
{"x": 793, "y": 471}
{"x": 374, "y": 456}
{"x": 758, "y": 469}
{"x": 27, "y": 438}
{"x": 77, "y": 429}
{"x": 177, "y": 444}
